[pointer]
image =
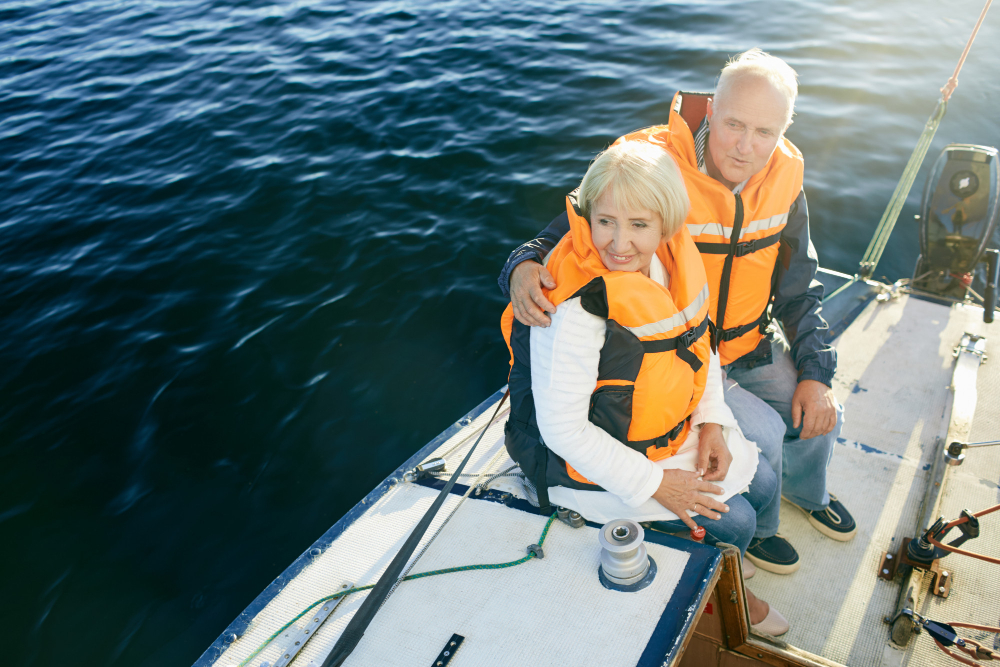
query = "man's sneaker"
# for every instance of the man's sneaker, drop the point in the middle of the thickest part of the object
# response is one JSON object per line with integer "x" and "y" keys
{"x": 773, "y": 554}
{"x": 835, "y": 521}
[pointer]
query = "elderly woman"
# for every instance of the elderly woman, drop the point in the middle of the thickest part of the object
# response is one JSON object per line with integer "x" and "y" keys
{"x": 617, "y": 409}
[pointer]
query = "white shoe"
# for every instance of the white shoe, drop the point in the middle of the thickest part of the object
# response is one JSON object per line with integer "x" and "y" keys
{"x": 749, "y": 569}
{"x": 774, "y": 624}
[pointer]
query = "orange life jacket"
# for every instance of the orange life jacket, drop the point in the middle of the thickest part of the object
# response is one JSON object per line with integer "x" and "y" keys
{"x": 654, "y": 362}
{"x": 741, "y": 265}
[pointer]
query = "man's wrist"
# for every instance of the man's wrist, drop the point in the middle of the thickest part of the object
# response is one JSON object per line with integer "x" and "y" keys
{"x": 517, "y": 257}
{"x": 819, "y": 374}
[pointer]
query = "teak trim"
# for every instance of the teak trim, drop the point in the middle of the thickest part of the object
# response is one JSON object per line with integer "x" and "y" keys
{"x": 735, "y": 617}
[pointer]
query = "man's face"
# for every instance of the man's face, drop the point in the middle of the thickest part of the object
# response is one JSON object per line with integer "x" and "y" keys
{"x": 744, "y": 130}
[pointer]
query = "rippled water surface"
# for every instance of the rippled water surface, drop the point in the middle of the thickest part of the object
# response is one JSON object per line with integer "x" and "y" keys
{"x": 248, "y": 253}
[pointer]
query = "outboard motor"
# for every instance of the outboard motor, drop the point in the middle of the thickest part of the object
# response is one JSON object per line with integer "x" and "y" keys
{"x": 958, "y": 219}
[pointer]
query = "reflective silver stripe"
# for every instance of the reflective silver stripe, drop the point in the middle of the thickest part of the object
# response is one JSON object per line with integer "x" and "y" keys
{"x": 680, "y": 318}
{"x": 755, "y": 226}
{"x": 709, "y": 228}
{"x": 764, "y": 223}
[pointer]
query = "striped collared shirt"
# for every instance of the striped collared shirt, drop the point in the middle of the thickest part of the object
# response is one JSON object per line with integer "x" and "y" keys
{"x": 700, "y": 141}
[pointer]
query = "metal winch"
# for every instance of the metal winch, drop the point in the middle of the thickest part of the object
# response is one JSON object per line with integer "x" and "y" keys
{"x": 625, "y": 565}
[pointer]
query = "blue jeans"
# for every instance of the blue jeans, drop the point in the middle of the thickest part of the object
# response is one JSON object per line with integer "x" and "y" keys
{"x": 736, "y": 526}
{"x": 761, "y": 401}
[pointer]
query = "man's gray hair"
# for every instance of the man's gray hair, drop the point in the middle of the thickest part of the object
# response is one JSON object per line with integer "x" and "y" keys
{"x": 756, "y": 63}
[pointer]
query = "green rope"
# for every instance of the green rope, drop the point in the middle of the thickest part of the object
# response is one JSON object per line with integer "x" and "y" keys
{"x": 421, "y": 575}
{"x": 877, "y": 245}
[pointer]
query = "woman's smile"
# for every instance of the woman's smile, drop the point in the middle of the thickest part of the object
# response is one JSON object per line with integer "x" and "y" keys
{"x": 626, "y": 239}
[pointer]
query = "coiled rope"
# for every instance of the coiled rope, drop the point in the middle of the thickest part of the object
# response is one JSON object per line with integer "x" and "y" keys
{"x": 877, "y": 245}
{"x": 420, "y": 575}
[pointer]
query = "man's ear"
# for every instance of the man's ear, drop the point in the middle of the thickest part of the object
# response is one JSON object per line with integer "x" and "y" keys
{"x": 708, "y": 109}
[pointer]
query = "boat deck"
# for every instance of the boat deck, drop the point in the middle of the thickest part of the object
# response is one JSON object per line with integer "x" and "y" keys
{"x": 552, "y": 611}
{"x": 895, "y": 365}
{"x": 895, "y": 371}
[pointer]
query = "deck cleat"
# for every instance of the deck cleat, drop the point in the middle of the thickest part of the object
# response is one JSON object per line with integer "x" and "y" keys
{"x": 570, "y": 517}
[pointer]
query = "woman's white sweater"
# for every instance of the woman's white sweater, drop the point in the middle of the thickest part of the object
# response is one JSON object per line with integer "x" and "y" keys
{"x": 564, "y": 361}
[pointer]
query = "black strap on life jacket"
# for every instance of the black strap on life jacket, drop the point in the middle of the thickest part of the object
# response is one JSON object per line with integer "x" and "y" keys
{"x": 680, "y": 343}
{"x": 762, "y": 322}
{"x": 727, "y": 269}
{"x": 541, "y": 479}
{"x": 676, "y": 431}
{"x": 742, "y": 249}
{"x": 725, "y": 335}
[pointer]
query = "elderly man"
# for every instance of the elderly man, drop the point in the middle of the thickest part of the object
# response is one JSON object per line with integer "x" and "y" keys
{"x": 751, "y": 224}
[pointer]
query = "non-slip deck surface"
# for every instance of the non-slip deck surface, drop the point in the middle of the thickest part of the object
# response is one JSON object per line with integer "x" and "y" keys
{"x": 894, "y": 374}
{"x": 894, "y": 370}
{"x": 551, "y": 611}
{"x": 975, "y": 596}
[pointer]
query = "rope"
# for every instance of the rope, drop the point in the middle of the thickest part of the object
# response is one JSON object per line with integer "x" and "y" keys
{"x": 949, "y": 87}
{"x": 355, "y": 630}
{"x": 444, "y": 523}
{"x": 470, "y": 437}
{"x": 956, "y": 550}
{"x": 969, "y": 646}
{"x": 877, "y": 245}
{"x": 420, "y": 575}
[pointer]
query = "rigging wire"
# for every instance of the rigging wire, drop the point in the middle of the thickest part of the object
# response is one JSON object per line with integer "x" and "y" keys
{"x": 881, "y": 237}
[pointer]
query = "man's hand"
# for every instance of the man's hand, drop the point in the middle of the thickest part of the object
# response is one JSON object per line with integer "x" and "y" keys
{"x": 530, "y": 305}
{"x": 713, "y": 454}
{"x": 814, "y": 408}
{"x": 681, "y": 491}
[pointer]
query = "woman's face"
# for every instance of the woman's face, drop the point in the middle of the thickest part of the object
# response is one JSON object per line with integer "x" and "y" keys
{"x": 626, "y": 240}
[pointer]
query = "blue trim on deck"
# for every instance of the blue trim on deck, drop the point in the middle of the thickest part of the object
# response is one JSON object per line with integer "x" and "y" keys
{"x": 242, "y": 622}
{"x": 675, "y": 623}
{"x": 868, "y": 449}
{"x": 665, "y": 643}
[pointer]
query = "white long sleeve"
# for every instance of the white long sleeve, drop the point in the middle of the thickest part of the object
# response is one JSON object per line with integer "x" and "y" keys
{"x": 712, "y": 408}
{"x": 564, "y": 361}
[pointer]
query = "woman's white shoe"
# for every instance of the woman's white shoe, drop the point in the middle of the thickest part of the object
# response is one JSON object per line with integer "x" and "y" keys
{"x": 749, "y": 569}
{"x": 774, "y": 624}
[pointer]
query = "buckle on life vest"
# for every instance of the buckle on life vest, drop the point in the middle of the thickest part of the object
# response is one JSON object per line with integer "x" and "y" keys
{"x": 745, "y": 248}
{"x": 676, "y": 431}
{"x": 688, "y": 338}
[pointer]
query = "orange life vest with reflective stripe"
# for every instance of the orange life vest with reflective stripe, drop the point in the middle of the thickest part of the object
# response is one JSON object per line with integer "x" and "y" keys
{"x": 741, "y": 267}
{"x": 654, "y": 362}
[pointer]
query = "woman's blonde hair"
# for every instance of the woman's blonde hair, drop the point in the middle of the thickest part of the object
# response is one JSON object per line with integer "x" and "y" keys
{"x": 640, "y": 175}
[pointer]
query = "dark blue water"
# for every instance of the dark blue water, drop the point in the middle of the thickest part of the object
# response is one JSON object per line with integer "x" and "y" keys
{"x": 248, "y": 253}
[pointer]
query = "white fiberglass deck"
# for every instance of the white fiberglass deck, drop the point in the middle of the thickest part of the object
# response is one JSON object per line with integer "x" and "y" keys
{"x": 544, "y": 612}
{"x": 895, "y": 367}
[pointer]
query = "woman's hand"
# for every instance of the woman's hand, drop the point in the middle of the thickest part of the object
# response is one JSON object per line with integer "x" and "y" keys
{"x": 713, "y": 453}
{"x": 681, "y": 491}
